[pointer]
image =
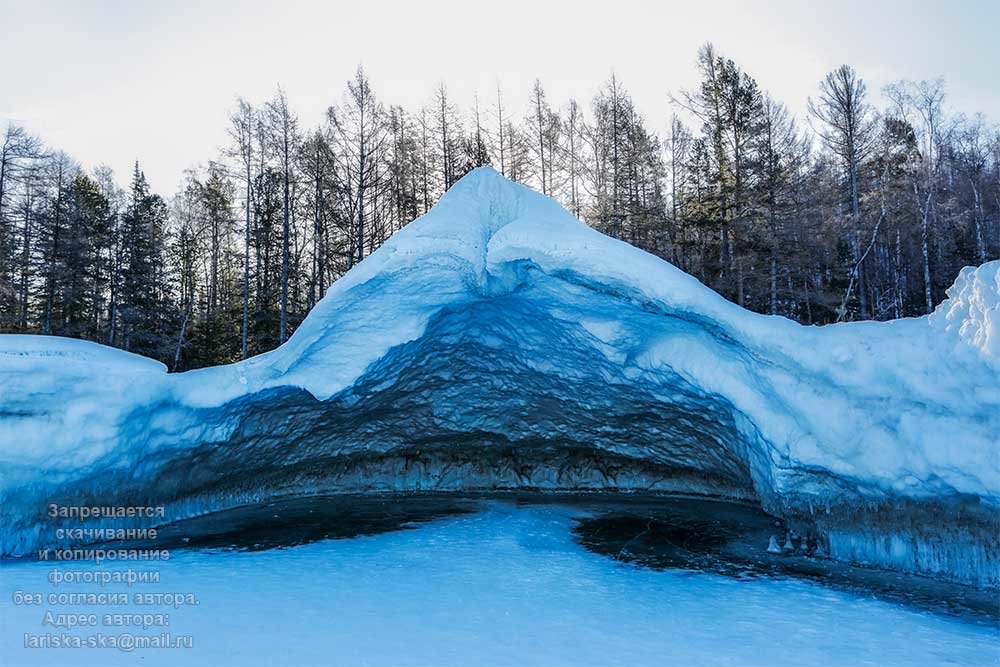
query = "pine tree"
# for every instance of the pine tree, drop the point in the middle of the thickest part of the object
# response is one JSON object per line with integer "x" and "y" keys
{"x": 18, "y": 151}
{"x": 147, "y": 313}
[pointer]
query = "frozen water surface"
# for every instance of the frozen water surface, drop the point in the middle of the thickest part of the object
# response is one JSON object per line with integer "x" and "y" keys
{"x": 425, "y": 581}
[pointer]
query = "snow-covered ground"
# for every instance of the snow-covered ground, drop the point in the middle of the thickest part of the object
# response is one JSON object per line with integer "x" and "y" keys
{"x": 497, "y": 329}
{"x": 504, "y": 586}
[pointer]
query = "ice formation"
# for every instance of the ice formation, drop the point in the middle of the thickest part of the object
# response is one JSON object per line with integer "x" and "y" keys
{"x": 498, "y": 342}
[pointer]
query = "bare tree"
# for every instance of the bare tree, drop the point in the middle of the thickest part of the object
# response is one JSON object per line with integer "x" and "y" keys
{"x": 501, "y": 148}
{"x": 846, "y": 125}
{"x": 781, "y": 155}
{"x": 571, "y": 150}
{"x": 678, "y": 150}
{"x": 921, "y": 105}
{"x": 241, "y": 129}
{"x": 975, "y": 146}
{"x": 539, "y": 121}
{"x": 360, "y": 135}
{"x": 283, "y": 126}
{"x": 447, "y": 126}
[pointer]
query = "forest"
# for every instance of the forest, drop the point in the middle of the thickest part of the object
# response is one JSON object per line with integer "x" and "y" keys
{"x": 857, "y": 211}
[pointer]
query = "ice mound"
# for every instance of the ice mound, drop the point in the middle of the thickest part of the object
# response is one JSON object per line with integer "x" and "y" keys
{"x": 497, "y": 342}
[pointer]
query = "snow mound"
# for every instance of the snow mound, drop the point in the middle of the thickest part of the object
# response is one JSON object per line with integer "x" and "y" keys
{"x": 498, "y": 342}
{"x": 972, "y": 310}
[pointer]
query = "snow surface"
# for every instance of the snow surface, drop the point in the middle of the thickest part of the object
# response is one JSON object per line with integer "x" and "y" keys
{"x": 908, "y": 409}
{"x": 504, "y": 586}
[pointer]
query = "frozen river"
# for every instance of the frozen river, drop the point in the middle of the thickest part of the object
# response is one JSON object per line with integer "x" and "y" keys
{"x": 423, "y": 581}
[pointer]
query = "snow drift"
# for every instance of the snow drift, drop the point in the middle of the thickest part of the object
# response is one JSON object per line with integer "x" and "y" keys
{"x": 497, "y": 342}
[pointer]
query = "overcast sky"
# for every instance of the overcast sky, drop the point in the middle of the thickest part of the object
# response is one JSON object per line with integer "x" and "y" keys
{"x": 110, "y": 82}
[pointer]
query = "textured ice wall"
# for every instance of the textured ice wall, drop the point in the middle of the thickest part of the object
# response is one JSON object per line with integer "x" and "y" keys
{"x": 496, "y": 343}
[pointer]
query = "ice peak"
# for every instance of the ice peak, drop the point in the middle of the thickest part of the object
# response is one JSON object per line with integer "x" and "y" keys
{"x": 486, "y": 200}
{"x": 483, "y": 180}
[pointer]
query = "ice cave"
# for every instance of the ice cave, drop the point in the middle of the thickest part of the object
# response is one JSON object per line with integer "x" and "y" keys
{"x": 497, "y": 343}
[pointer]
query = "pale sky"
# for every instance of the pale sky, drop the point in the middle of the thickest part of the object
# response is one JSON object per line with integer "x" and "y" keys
{"x": 113, "y": 81}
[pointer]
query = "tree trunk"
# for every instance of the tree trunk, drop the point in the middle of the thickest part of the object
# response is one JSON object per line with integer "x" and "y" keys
{"x": 285, "y": 232}
{"x": 180, "y": 338}
{"x": 977, "y": 221}
{"x": 244, "y": 330}
{"x": 773, "y": 310}
{"x": 858, "y": 259}
{"x": 50, "y": 298}
{"x": 25, "y": 257}
{"x": 925, "y": 252}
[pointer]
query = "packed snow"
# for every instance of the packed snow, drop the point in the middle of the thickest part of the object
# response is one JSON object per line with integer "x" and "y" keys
{"x": 803, "y": 418}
